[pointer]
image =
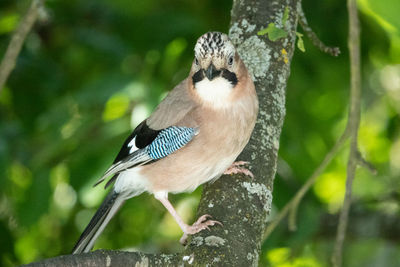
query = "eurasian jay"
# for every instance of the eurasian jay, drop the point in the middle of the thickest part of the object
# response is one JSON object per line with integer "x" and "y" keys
{"x": 192, "y": 137}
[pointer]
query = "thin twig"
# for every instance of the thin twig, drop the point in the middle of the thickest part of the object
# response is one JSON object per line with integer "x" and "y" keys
{"x": 17, "y": 40}
{"x": 366, "y": 164}
{"x": 304, "y": 189}
{"x": 333, "y": 51}
{"x": 291, "y": 206}
{"x": 354, "y": 120}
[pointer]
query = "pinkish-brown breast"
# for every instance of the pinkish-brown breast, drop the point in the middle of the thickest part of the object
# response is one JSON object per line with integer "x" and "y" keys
{"x": 223, "y": 133}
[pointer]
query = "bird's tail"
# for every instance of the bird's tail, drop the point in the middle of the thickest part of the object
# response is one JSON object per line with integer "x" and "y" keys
{"x": 103, "y": 215}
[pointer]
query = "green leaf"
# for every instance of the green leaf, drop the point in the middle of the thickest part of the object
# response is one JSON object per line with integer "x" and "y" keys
{"x": 273, "y": 32}
{"x": 300, "y": 42}
{"x": 285, "y": 16}
{"x": 300, "y": 45}
{"x": 276, "y": 33}
{"x": 8, "y": 23}
{"x": 116, "y": 107}
{"x": 263, "y": 31}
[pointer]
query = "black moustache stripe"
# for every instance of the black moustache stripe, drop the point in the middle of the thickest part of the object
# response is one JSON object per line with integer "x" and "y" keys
{"x": 198, "y": 76}
{"x": 230, "y": 76}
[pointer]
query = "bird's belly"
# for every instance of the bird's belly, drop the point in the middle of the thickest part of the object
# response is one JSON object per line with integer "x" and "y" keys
{"x": 182, "y": 172}
{"x": 196, "y": 178}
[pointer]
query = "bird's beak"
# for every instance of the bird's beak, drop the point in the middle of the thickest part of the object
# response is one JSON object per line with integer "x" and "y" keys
{"x": 211, "y": 72}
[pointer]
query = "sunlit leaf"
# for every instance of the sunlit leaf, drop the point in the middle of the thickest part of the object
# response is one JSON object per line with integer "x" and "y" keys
{"x": 26, "y": 247}
{"x": 285, "y": 16}
{"x": 116, "y": 107}
{"x": 273, "y": 32}
{"x": 300, "y": 42}
{"x": 8, "y": 23}
{"x": 281, "y": 257}
{"x": 278, "y": 256}
{"x": 330, "y": 188}
{"x": 20, "y": 175}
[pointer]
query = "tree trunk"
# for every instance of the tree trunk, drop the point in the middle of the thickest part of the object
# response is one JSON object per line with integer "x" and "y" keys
{"x": 242, "y": 204}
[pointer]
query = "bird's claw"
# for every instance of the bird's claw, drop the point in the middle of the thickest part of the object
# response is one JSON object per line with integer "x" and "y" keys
{"x": 240, "y": 163}
{"x": 201, "y": 224}
{"x": 236, "y": 168}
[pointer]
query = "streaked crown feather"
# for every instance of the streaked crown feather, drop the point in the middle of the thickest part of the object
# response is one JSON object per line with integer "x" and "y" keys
{"x": 214, "y": 44}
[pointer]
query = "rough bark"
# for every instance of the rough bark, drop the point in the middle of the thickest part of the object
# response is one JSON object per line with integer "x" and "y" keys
{"x": 240, "y": 203}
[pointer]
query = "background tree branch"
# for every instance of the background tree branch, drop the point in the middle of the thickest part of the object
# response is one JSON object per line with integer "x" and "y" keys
{"x": 240, "y": 203}
{"x": 354, "y": 124}
{"x": 17, "y": 40}
{"x": 333, "y": 51}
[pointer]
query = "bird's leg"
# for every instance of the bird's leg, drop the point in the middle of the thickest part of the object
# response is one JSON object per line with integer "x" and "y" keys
{"x": 202, "y": 223}
{"x": 236, "y": 167}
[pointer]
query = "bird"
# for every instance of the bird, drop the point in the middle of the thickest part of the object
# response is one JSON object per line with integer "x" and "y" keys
{"x": 192, "y": 137}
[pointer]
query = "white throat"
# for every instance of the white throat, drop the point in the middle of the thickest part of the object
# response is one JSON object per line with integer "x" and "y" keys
{"x": 215, "y": 92}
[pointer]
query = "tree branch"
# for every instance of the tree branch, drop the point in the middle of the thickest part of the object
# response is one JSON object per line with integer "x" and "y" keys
{"x": 333, "y": 51}
{"x": 366, "y": 164}
{"x": 292, "y": 206}
{"x": 354, "y": 123}
{"x": 113, "y": 258}
{"x": 241, "y": 204}
{"x": 17, "y": 40}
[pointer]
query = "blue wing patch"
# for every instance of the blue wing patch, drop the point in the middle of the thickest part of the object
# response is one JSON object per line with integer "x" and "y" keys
{"x": 165, "y": 143}
{"x": 169, "y": 140}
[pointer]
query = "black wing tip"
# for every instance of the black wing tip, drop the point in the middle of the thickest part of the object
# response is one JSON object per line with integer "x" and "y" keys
{"x": 112, "y": 179}
{"x": 97, "y": 183}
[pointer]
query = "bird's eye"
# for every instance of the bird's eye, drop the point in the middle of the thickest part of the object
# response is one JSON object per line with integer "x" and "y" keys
{"x": 196, "y": 61}
{"x": 230, "y": 61}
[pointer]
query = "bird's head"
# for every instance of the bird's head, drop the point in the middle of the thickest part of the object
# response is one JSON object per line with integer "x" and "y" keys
{"x": 215, "y": 67}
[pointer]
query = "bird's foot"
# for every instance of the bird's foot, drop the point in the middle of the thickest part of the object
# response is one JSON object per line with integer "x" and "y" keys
{"x": 236, "y": 168}
{"x": 201, "y": 224}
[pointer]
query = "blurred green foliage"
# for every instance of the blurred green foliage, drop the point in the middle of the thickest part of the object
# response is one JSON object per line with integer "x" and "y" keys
{"x": 95, "y": 69}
